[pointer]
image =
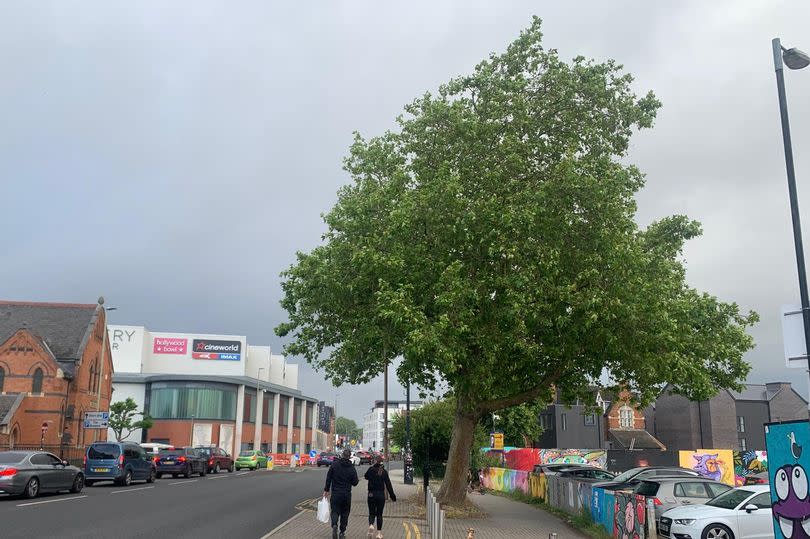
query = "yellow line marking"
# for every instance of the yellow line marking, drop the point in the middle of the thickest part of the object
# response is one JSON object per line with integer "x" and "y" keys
{"x": 416, "y": 529}
{"x": 407, "y": 530}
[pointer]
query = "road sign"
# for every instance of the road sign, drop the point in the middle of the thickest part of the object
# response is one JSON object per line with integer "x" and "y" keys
{"x": 313, "y": 454}
{"x": 793, "y": 335}
{"x": 96, "y": 420}
{"x": 496, "y": 441}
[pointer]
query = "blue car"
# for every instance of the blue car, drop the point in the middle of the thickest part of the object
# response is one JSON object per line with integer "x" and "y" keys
{"x": 121, "y": 462}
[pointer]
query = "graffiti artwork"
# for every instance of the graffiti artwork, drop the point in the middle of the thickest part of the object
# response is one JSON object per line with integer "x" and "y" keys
{"x": 629, "y": 516}
{"x": 749, "y": 463}
{"x": 789, "y": 461}
{"x": 716, "y": 464}
{"x": 525, "y": 459}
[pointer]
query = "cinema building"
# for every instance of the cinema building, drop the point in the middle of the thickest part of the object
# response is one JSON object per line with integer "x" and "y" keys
{"x": 211, "y": 389}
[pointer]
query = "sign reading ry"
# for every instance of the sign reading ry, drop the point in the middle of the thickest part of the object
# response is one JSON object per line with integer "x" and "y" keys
{"x": 168, "y": 345}
{"x": 224, "y": 350}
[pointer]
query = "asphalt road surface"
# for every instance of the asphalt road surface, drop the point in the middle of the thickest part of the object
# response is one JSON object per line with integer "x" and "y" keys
{"x": 239, "y": 505}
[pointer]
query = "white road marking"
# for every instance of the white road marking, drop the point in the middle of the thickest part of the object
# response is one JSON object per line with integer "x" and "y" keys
{"x": 51, "y": 501}
{"x": 243, "y": 473}
{"x": 130, "y": 490}
{"x": 219, "y": 477}
{"x": 183, "y": 482}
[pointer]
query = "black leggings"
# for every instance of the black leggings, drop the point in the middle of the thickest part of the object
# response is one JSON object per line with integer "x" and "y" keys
{"x": 376, "y": 504}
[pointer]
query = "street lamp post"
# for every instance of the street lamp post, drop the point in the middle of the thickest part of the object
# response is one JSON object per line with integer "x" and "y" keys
{"x": 408, "y": 457}
{"x": 794, "y": 59}
{"x": 257, "y": 438}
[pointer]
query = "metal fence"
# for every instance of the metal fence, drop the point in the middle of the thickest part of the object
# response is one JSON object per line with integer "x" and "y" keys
{"x": 74, "y": 455}
{"x": 435, "y": 516}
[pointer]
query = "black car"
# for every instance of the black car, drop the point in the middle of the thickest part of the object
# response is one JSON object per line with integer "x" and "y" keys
{"x": 28, "y": 473}
{"x": 184, "y": 461}
{"x": 632, "y": 477}
{"x": 554, "y": 469}
{"x": 587, "y": 474}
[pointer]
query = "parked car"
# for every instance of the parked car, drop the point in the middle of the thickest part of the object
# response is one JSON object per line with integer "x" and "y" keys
{"x": 588, "y": 474}
{"x": 218, "y": 459}
{"x": 670, "y": 492}
{"x": 120, "y": 462}
{"x": 27, "y": 473}
{"x": 554, "y": 469}
{"x": 365, "y": 457}
{"x": 184, "y": 461}
{"x": 632, "y": 477}
{"x": 153, "y": 448}
{"x": 252, "y": 459}
{"x": 326, "y": 459}
{"x": 760, "y": 478}
{"x": 740, "y": 513}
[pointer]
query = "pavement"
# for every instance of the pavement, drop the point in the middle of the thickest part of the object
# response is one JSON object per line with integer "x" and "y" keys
{"x": 239, "y": 505}
{"x": 505, "y": 518}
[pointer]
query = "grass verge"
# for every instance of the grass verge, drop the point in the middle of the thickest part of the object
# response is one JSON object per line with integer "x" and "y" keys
{"x": 581, "y": 522}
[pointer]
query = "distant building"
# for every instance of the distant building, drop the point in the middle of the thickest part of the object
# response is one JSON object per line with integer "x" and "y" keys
{"x": 374, "y": 421}
{"x": 729, "y": 420}
{"x": 616, "y": 424}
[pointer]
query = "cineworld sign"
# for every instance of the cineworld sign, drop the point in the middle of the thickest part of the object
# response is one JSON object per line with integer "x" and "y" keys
{"x": 222, "y": 350}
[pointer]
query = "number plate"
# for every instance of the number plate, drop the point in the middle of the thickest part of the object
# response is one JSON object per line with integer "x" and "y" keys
{"x": 168, "y": 462}
{"x": 101, "y": 470}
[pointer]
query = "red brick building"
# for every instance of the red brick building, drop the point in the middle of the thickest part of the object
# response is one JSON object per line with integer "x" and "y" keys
{"x": 52, "y": 370}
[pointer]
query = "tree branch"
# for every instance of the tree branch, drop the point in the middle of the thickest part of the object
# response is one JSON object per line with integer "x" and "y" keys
{"x": 519, "y": 398}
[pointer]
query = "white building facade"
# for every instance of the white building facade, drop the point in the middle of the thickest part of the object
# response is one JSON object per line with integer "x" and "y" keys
{"x": 374, "y": 421}
{"x": 203, "y": 389}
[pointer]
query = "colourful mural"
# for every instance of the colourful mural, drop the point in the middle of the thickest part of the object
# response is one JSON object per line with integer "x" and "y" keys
{"x": 630, "y": 515}
{"x": 788, "y": 447}
{"x": 748, "y": 463}
{"x": 525, "y": 459}
{"x": 717, "y": 464}
{"x": 603, "y": 506}
{"x": 504, "y": 480}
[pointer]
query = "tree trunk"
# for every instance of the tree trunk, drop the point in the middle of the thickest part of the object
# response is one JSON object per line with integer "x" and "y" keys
{"x": 454, "y": 485}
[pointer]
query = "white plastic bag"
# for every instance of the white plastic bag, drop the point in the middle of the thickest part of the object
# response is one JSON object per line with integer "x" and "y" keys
{"x": 323, "y": 510}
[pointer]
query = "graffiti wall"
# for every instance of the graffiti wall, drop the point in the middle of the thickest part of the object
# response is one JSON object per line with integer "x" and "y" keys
{"x": 748, "y": 463}
{"x": 603, "y": 507}
{"x": 630, "y": 512}
{"x": 717, "y": 464}
{"x": 788, "y": 447}
{"x": 525, "y": 459}
{"x": 504, "y": 480}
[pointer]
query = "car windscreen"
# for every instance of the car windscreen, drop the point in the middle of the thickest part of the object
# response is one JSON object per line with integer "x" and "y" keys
{"x": 11, "y": 457}
{"x": 622, "y": 477}
{"x": 730, "y": 499}
{"x": 246, "y": 454}
{"x": 205, "y": 451}
{"x": 170, "y": 452}
{"x": 647, "y": 488}
{"x": 103, "y": 452}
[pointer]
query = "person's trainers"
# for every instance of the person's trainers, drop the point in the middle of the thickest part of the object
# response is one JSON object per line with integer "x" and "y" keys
{"x": 334, "y": 532}
{"x": 342, "y": 535}
{"x": 371, "y": 531}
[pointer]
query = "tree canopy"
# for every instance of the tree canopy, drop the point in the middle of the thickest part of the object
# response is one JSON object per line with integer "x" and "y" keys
{"x": 122, "y": 419}
{"x": 348, "y": 428}
{"x": 491, "y": 242}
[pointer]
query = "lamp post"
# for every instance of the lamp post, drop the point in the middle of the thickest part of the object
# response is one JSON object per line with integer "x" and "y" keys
{"x": 257, "y": 438}
{"x": 408, "y": 457}
{"x": 794, "y": 59}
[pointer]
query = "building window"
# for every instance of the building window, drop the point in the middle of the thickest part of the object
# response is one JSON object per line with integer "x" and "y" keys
{"x": 563, "y": 422}
{"x": 36, "y": 386}
{"x": 743, "y": 445}
{"x": 267, "y": 409}
{"x": 2, "y": 378}
{"x": 590, "y": 420}
{"x": 297, "y": 413}
{"x": 249, "y": 411}
{"x": 202, "y": 400}
{"x": 626, "y": 417}
{"x": 284, "y": 411}
{"x": 545, "y": 422}
{"x": 740, "y": 424}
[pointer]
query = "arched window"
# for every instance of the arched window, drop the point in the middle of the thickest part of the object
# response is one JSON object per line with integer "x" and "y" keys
{"x": 626, "y": 417}
{"x": 2, "y": 378}
{"x": 36, "y": 387}
{"x": 91, "y": 382}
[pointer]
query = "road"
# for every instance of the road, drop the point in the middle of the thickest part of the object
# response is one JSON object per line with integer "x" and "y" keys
{"x": 239, "y": 505}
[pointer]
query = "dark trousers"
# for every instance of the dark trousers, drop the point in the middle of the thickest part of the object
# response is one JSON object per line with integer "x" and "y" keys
{"x": 341, "y": 505}
{"x": 376, "y": 504}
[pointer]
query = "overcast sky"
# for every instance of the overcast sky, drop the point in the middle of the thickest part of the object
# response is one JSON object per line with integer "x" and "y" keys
{"x": 173, "y": 156}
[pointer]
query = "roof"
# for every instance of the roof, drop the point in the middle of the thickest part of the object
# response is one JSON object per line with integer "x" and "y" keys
{"x": 9, "y": 405}
{"x": 635, "y": 438}
{"x": 753, "y": 392}
{"x": 141, "y": 378}
{"x": 63, "y": 327}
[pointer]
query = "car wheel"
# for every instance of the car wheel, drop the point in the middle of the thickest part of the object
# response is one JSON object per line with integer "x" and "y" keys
{"x": 152, "y": 476}
{"x": 78, "y": 484}
{"x": 187, "y": 472}
{"x": 216, "y": 468}
{"x": 238, "y": 468}
{"x": 230, "y": 468}
{"x": 88, "y": 483}
{"x": 32, "y": 488}
{"x": 717, "y": 531}
{"x": 158, "y": 475}
{"x": 203, "y": 470}
{"x": 127, "y": 480}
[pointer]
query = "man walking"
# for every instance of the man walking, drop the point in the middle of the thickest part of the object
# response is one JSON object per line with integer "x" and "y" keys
{"x": 341, "y": 477}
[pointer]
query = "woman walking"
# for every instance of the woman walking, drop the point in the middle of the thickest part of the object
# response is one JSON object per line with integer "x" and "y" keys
{"x": 378, "y": 484}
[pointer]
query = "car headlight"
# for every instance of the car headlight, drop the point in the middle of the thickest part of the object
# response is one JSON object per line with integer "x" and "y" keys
{"x": 684, "y": 521}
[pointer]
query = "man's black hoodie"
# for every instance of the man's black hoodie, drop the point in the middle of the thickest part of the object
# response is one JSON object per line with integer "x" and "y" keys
{"x": 342, "y": 476}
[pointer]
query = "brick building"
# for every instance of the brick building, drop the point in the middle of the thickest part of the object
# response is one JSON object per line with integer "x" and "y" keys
{"x": 51, "y": 372}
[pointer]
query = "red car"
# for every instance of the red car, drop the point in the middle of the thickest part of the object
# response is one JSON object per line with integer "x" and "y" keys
{"x": 365, "y": 457}
{"x": 326, "y": 459}
{"x": 217, "y": 458}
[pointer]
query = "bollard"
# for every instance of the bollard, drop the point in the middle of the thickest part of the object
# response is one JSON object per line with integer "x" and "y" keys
{"x": 441, "y": 523}
{"x": 552, "y": 535}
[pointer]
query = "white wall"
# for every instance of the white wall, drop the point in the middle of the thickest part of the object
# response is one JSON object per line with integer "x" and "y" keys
{"x": 258, "y": 358}
{"x": 176, "y": 363}
{"x": 128, "y": 344}
{"x": 120, "y": 393}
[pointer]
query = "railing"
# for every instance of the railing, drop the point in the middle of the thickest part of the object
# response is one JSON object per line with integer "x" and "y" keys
{"x": 434, "y": 516}
{"x": 74, "y": 455}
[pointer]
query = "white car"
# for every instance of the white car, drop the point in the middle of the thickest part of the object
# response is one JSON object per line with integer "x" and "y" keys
{"x": 740, "y": 513}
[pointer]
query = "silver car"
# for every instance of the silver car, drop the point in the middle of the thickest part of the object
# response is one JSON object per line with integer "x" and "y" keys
{"x": 28, "y": 473}
{"x": 670, "y": 492}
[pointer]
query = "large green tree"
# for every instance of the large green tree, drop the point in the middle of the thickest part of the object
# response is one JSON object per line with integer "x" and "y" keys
{"x": 491, "y": 243}
{"x": 348, "y": 428}
{"x": 123, "y": 420}
{"x": 520, "y": 424}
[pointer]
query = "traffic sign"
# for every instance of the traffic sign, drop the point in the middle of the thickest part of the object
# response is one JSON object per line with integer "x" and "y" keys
{"x": 313, "y": 454}
{"x": 496, "y": 441}
{"x": 793, "y": 335}
{"x": 96, "y": 420}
